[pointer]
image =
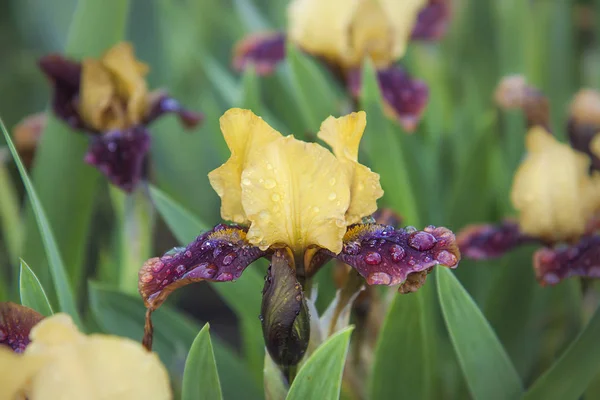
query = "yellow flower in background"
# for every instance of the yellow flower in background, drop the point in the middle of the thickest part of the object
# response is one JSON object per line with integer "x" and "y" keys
{"x": 347, "y": 31}
{"x": 113, "y": 93}
{"x": 291, "y": 192}
{"x": 552, "y": 189}
{"x": 62, "y": 363}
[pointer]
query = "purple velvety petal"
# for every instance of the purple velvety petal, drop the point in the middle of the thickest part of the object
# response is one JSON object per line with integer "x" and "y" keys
{"x": 387, "y": 216}
{"x": 485, "y": 241}
{"x": 387, "y": 256}
{"x": 120, "y": 155}
{"x": 580, "y": 137}
{"x": 161, "y": 103}
{"x": 404, "y": 98}
{"x": 219, "y": 255}
{"x": 582, "y": 259}
{"x": 65, "y": 76}
{"x": 432, "y": 21}
{"x": 263, "y": 51}
{"x": 16, "y": 322}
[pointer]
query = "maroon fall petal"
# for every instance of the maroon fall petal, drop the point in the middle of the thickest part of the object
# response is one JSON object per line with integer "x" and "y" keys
{"x": 432, "y": 21}
{"x": 582, "y": 259}
{"x": 387, "y": 216}
{"x": 16, "y": 322}
{"x": 161, "y": 103}
{"x": 485, "y": 241}
{"x": 65, "y": 76}
{"x": 387, "y": 256}
{"x": 120, "y": 155}
{"x": 263, "y": 51}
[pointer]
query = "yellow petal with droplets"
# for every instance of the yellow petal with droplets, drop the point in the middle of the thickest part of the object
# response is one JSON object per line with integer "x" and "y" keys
{"x": 245, "y": 134}
{"x": 402, "y": 17}
{"x": 98, "y": 104}
{"x": 129, "y": 75}
{"x": 322, "y": 27}
{"x": 16, "y": 372}
{"x": 343, "y": 135}
{"x": 297, "y": 194}
{"x": 92, "y": 367}
{"x": 552, "y": 190}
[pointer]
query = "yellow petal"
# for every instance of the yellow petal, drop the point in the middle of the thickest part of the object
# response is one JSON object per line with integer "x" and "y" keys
{"x": 130, "y": 81}
{"x": 595, "y": 145}
{"x": 245, "y": 133}
{"x": 402, "y": 16}
{"x": 585, "y": 107}
{"x": 343, "y": 135}
{"x": 98, "y": 104}
{"x": 552, "y": 190}
{"x": 295, "y": 193}
{"x": 322, "y": 27}
{"x": 372, "y": 34}
{"x": 92, "y": 367}
{"x": 16, "y": 372}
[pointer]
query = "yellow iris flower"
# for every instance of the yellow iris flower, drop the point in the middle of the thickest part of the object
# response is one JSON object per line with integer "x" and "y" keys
{"x": 290, "y": 192}
{"x": 346, "y": 31}
{"x": 113, "y": 93}
{"x": 552, "y": 190}
{"x": 62, "y": 363}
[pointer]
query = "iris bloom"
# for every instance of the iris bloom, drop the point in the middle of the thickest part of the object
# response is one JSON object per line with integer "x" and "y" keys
{"x": 108, "y": 98}
{"x": 53, "y": 360}
{"x": 345, "y": 32}
{"x": 299, "y": 205}
{"x": 556, "y": 192}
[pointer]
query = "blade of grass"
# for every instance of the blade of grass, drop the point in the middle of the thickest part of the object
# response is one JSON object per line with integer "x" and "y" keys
{"x": 487, "y": 369}
{"x": 200, "y": 377}
{"x": 320, "y": 378}
{"x": 10, "y": 215}
{"x": 66, "y": 300}
{"x": 31, "y": 291}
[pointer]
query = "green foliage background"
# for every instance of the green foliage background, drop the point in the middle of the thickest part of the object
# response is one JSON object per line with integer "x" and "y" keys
{"x": 456, "y": 169}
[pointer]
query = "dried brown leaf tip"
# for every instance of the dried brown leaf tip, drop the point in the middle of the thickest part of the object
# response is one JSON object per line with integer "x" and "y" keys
{"x": 387, "y": 256}
{"x": 485, "y": 241}
{"x": 263, "y": 51}
{"x": 16, "y": 322}
{"x": 513, "y": 93}
{"x": 108, "y": 99}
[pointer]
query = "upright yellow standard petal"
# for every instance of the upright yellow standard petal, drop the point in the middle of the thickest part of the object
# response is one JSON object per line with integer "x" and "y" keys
{"x": 297, "y": 194}
{"x": 245, "y": 134}
{"x": 129, "y": 75}
{"x": 98, "y": 104}
{"x": 343, "y": 135}
{"x": 95, "y": 367}
{"x": 552, "y": 190}
{"x": 16, "y": 372}
{"x": 322, "y": 27}
{"x": 347, "y": 31}
{"x": 402, "y": 16}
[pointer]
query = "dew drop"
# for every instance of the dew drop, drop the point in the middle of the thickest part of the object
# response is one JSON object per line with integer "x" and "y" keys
{"x": 224, "y": 277}
{"x": 351, "y": 248}
{"x": 379, "y": 278}
{"x": 269, "y": 166}
{"x": 332, "y": 181}
{"x": 164, "y": 282}
{"x": 373, "y": 258}
{"x": 270, "y": 184}
{"x": 228, "y": 259}
{"x": 264, "y": 216}
{"x": 360, "y": 186}
{"x": 207, "y": 245}
{"x": 340, "y": 223}
{"x": 332, "y": 196}
{"x": 217, "y": 251}
{"x": 446, "y": 258}
{"x": 246, "y": 182}
{"x": 158, "y": 267}
{"x": 316, "y": 209}
{"x": 298, "y": 297}
{"x": 275, "y": 197}
{"x": 146, "y": 278}
{"x": 397, "y": 253}
{"x": 180, "y": 269}
{"x": 422, "y": 241}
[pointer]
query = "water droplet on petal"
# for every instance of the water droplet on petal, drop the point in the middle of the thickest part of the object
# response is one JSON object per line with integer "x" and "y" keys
{"x": 332, "y": 181}
{"x": 164, "y": 283}
{"x": 340, "y": 223}
{"x": 422, "y": 241}
{"x": 264, "y": 216}
{"x": 270, "y": 184}
{"x": 316, "y": 209}
{"x": 351, "y": 248}
{"x": 146, "y": 278}
{"x": 332, "y": 196}
{"x": 158, "y": 267}
{"x": 373, "y": 258}
{"x": 246, "y": 182}
{"x": 180, "y": 269}
{"x": 446, "y": 258}
{"x": 188, "y": 254}
{"x": 269, "y": 166}
{"x": 360, "y": 186}
{"x": 224, "y": 277}
{"x": 228, "y": 259}
{"x": 379, "y": 278}
{"x": 397, "y": 253}
{"x": 275, "y": 197}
